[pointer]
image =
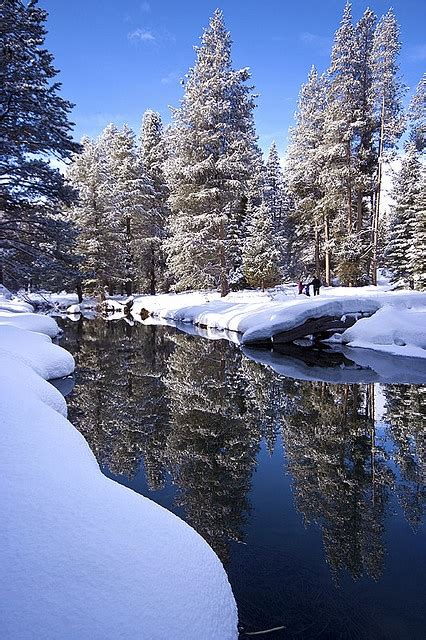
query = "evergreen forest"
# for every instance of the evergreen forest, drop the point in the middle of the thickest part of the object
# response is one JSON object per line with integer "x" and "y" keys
{"x": 194, "y": 204}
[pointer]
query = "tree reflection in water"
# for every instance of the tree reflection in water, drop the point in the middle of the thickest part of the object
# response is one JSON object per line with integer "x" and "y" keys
{"x": 119, "y": 402}
{"x": 340, "y": 475}
{"x": 196, "y": 411}
{"x": 406, "y": 415}
{"x": 213, "y": 439}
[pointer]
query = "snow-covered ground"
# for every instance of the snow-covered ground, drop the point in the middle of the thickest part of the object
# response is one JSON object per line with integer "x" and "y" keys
{"x": 82, "y": 556}
{"x": 397, "y": 326}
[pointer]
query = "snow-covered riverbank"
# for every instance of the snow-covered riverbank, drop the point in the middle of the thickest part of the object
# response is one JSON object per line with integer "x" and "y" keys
{"x": 82, "y": 556}
{"x": 396, "y": 326}
{"x": 397, "y": 323}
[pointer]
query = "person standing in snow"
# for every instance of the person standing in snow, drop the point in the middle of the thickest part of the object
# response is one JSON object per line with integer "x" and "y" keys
{"x": 307, "y": 285}
{"x": 316, "y": 283}
{"x": 300, "y": 287}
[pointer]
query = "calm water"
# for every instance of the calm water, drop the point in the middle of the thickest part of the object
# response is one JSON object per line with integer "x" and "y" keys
{"x": 311, "y": 493}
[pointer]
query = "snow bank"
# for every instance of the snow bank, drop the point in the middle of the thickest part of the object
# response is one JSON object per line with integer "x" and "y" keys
{"x": 14, "y": 304}
{"x": 392, "y": 330}
{"x": 84, "y": 556}
{"x": 30, "y": 321}
{"x": 37, "y": 351}
{"x": 256, "y": 316}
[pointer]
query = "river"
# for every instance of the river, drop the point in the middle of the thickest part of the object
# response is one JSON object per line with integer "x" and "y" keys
{"x": 311, "y": 492}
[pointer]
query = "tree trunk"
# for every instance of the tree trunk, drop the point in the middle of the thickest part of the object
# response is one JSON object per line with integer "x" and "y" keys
{"x": 375, "y": 224}
{"x": 152, "y": 271}
{"x": 79, "y": 291}
{"x": 129, "y": 257}
{"x": 349, "y": 186}
{"x": 224, "y": 286}
{"x": 317, "y": 251}
{"x": 359, "y": 212}
{"x": 128, "y": 287}
{"x": 327, "y": 251}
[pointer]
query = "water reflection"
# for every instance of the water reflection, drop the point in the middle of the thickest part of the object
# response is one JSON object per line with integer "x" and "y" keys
{"x": 341, "y": 478}
{"x": 193, "y": 414}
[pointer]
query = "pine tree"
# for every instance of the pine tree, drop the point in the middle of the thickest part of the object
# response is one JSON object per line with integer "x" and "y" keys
{"x": 405, "y": 252}
{"x": 95, "y": 242}
{"x": 357, "y": 121}
{"x": 417, "y": 250}
{"x": 365, "y": 124}
{"x": 339, "y": 165}
{"x": 129, "y": 195}
{"x": 211, "y": 158}
{"x": 303, "y": 176}
{"x": 153, "y": 156}
{"x": 261, "y": 255}
{"x": 279, "y": 203}
{"x": 33, "y": 127}
{"x": 388, "y": 92}
{"x": 417, "y": 116}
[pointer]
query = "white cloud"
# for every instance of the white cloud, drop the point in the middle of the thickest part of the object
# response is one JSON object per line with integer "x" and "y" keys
{"x": 141, "y": 35}
{"x": 321, "y": 43}
{"x": 171, "y": 78}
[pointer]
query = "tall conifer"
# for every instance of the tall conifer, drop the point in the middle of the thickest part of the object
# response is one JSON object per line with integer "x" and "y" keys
{"x": 212, "y": 142}
{"x": 34, "y": 127}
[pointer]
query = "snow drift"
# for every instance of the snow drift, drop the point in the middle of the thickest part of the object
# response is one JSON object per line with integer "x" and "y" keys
{"x": 84, "y": 556}
{"x": 255, "y": 316}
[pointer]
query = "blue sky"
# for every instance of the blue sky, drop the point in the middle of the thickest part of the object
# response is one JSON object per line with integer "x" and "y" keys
{"x": 118, "y": 58}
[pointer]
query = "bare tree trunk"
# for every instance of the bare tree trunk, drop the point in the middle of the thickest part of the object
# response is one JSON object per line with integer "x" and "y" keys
{"x": 317, "y": 250}
{"x": 349, "y": 187}
{"x": 327, "y": 250}
{"x": 375, "y": 223}
{"x": 129, "y": 261}
{"x": 152, "y": 271}
{"x": 224, "y": 286}
{"x": 359, "y": 212}
{"x": 79, "y": 290}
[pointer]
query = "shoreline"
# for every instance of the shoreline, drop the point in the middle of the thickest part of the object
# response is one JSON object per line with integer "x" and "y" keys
{"x": 84, "y": 555}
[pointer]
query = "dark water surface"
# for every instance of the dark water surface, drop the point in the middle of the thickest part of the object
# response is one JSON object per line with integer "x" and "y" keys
{"x": 311, "y": 493}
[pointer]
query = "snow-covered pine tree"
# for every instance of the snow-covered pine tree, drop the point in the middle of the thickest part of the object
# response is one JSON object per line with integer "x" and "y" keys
{"x": 405, "y": 252}
{"x": 95, "y": 241}
{"x": 261, "y": 254}
{"x": 242, "y": 219}
{"x": 211, "y": 159}
{"x": 302, "y": 174}
{"x": 280, "y": 205}
{"x": 34, "y": 126}
{"x": 129, "y": 195}
{"x": 153, "y": 155}
{"x": 365, "y": 125}
{"x": 417, "y": 115}
{"x": 388, "y": 91}
{"x": 339, "y": 166}
{"x": 417, "y": 251}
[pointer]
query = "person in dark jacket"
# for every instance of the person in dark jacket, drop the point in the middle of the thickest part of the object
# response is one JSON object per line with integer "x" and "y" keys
{"x": 316, "y": 283}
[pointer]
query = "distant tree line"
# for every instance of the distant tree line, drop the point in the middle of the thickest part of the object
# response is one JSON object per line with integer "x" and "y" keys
{"x": 195, "y": 205}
